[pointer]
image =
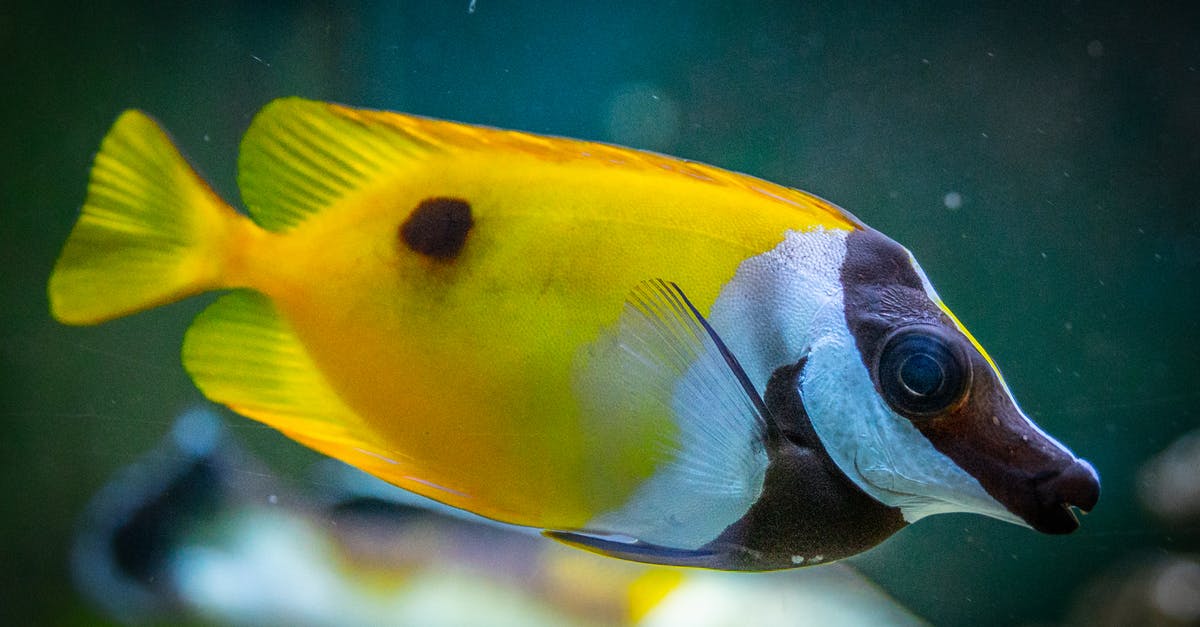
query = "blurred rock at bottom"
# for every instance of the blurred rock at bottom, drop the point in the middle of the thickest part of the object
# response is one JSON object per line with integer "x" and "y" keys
{"x": 198, "y": 531}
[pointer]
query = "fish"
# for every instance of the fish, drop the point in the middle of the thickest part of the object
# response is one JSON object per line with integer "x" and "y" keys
{"x": 641, "y": 356}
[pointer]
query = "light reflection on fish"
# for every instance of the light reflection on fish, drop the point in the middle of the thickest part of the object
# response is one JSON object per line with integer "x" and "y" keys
{"x": 645, "y": 357}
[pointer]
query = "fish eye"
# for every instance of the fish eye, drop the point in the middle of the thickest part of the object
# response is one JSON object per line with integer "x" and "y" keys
{"x": 923, "y": 371}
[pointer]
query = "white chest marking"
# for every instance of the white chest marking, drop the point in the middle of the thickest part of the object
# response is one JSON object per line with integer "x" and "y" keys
{"x": 765, "y": 313}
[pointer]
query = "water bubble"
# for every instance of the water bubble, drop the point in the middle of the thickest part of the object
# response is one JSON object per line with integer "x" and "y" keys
{"x": 952, "y": 200}
{"x": 1176, "y": 591}
{"x": 1168, "y": 485}
{"x": 642, "y": 115}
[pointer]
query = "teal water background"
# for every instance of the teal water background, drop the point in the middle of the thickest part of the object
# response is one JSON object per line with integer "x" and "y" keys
{"x": 1041, "y": 160}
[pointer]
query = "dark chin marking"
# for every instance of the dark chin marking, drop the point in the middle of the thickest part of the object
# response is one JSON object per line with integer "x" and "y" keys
{"x": 438, "y": 227}
{"x": 809, "y": 512}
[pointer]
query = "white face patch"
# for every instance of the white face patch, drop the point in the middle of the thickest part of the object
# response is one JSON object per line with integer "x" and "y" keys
{"x": 781, "y": 307}
{"x": 786, "y": 304}
{"x": 881, "y": 451}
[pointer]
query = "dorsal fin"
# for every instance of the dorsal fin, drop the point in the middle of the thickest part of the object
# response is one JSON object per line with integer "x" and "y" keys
{"x": 299, "y": 156}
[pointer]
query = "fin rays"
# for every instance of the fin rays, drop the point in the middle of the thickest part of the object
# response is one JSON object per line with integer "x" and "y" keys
{"x": 242, "y": 354}
{"x": 664, "y": 359}
{"x": 150, "y": 231}
{"x": 299, "y": 156}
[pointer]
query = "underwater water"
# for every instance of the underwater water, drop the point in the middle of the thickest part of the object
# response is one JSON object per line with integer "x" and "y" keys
{"x": 1039, "y": 160}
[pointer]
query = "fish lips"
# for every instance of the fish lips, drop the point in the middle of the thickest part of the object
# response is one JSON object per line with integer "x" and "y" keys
{"x": 1055, "y": 495}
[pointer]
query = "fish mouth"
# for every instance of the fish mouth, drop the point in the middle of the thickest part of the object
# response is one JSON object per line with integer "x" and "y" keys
{"x": 1059, "y": 493}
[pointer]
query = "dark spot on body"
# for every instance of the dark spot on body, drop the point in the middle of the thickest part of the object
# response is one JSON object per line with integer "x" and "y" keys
{"x": 438, "y": 227}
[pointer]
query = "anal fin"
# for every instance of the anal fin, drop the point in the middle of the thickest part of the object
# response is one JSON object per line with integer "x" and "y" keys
{"x": 241, "y": 353}
{"x": 638, "y": 551}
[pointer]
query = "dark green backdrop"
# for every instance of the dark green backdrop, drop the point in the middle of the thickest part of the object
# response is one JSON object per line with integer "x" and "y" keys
{"x": 1068, "y": 130}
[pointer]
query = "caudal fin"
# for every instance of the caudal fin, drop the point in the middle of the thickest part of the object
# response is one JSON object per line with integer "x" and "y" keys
{"x": 151, "y": 230}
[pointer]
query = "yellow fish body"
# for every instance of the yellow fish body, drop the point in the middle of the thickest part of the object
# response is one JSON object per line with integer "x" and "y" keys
{"x": 548, "y": 332}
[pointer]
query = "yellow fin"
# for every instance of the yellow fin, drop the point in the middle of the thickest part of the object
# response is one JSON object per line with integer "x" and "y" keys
{"x": 151, "y": 231}
{"x": 242, "y": 354}
{"x": 300, "y": 156}
{"x": 453, "y": 136}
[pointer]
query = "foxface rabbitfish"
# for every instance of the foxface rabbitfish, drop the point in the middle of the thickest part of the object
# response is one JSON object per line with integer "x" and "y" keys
{"x": 646, "y": 357}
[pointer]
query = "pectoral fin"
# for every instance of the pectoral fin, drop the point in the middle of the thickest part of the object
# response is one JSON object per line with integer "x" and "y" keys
{"x": 663, "y": 364}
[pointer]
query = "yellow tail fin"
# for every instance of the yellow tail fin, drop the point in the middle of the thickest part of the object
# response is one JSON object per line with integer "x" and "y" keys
{"x": 151, "y": 230}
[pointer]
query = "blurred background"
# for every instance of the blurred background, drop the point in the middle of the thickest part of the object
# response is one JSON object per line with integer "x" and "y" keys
{"x": 1041, "y": 160}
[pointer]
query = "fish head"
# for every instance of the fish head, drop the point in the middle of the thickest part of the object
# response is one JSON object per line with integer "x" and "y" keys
{"x": 914, "y": 411}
